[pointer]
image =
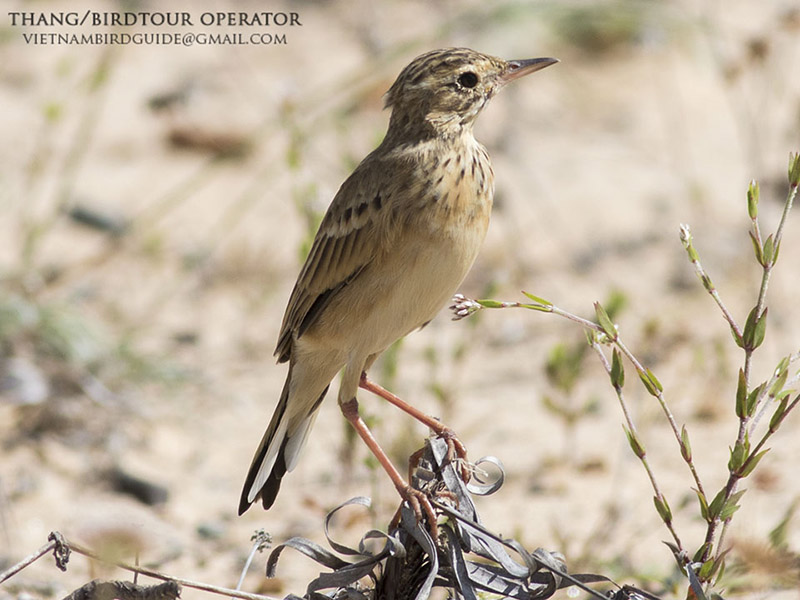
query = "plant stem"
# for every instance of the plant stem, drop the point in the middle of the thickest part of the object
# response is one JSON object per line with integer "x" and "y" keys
{"x": 632, "y": 428}
{"x": 767, "y": 265}
{"x": 686, "y": 240}
{"x": 789, "y": 382}
{"x": 592, "y": 326}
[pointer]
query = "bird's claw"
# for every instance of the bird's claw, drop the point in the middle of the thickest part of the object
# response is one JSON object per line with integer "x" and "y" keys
{"x": 421, "y": 506}
{"x": 457, "y": 451}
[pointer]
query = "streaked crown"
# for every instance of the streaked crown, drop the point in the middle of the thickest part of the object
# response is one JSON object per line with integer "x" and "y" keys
{"x": 444, "y": 90}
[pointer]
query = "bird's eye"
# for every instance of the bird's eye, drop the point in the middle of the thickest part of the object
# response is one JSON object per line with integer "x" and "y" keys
{"x": 468, "y": 79}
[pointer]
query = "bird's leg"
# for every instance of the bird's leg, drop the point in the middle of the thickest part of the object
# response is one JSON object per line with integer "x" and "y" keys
{"x": 417, "y": 500}
{"x": 413, "y": 462}
{"x": 455, "y": 448}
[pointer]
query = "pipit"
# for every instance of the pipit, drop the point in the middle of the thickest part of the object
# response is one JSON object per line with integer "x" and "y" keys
{"x": 399, "y": 237}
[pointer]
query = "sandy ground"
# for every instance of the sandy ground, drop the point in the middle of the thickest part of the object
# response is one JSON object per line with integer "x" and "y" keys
{"x": 154, "y": 348}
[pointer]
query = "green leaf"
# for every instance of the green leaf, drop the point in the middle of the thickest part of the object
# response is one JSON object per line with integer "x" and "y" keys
{"x": 605, "y": 322}
{"x": 649, "y": 384}
{"x": 751, "y": 463}
{"x": 777, "y": 387}
{"x": 731, "y": 506}
{"x": 701, "y": 497}
{"x": 663, "y": 509}
{"x": 757, "y": 248}
{"x": 741, "y": 396}
{"x": 752, "y": 399}
{"x": 716, "y": 505}
{"x": 737, "y": 457}
{"x": 753, "y": 192}
{"x": 673, "y": 548}
{"x": 491, "y": 303}
{"x": 701, "y": 551}
{"x": 749, "y": 329}
{"x": 754, "y": 329}
{"x": 706, "y": 570}
{"x": 719, "y": 569}
{"x": 794, "y": 169}
{"x": 769, "y": 250}
{"x": 686, "y": 447}
{"x": 547, "y": 308}
{"x": 537, "y": 299}
{"x": 711, "y": 567}
{"x": 635, "y": 443}
{"x": 655, "y": 380}
{"x": 760, "y": 329}
{"x": 715, "y": 573}
{"x": 617, "y": 370}
{"x": 779, "y": 414}
{"x": 737, "y": 338}
{"x": 783, "y": 365}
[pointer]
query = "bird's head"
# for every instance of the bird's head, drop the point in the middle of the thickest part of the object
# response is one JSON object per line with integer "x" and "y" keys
{"x": 445, "y": 90}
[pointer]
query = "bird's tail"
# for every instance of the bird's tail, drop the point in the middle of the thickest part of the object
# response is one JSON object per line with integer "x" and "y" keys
{"x": 278, "y": 450}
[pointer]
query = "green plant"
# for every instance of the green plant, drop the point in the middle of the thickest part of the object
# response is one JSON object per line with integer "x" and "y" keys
{"x": 753, "y": 402}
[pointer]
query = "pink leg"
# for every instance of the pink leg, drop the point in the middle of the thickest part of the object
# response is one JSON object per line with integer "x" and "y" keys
{"x": 455, "y": 446}
{"x": 419, "y": 501}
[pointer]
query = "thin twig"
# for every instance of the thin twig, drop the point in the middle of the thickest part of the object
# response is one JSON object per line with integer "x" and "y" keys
{"x": 632, "y": 428}
{"x": 206, "y": 587}
{"x": 465, "y": 307}
{"x": 659, "y": 395}
{"x": 686, "y": 239}
{"x": 214, "y": 589}
{"x": 789, "y": 382}
{"x": 27, "y": 561}
{"x": 261, "y": 540}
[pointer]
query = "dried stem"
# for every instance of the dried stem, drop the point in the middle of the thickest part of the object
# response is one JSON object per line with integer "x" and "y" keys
{"x": 62, "y": 542}
{"x": 27, "y": 561}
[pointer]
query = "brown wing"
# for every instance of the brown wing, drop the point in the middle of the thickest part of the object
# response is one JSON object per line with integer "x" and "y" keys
{"x": 351, "y": 234}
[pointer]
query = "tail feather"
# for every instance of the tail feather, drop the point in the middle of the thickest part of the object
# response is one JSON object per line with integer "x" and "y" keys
{"x": 277, "y": 452}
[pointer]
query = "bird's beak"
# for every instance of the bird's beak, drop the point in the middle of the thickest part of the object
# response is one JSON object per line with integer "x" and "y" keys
{"x": 520, "y": 68}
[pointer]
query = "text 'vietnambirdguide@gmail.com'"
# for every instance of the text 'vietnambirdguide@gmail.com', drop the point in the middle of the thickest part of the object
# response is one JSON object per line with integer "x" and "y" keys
{"x": 58, "y": 28}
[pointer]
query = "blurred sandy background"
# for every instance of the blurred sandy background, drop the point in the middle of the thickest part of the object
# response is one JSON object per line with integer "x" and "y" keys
{"x": 156, "y": 202}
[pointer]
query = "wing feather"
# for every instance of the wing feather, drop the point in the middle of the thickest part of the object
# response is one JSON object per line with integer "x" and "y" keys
{"x": 353, "y": 231}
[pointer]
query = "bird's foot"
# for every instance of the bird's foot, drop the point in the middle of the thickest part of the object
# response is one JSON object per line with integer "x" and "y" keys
{"x": 457, "y": 452}
{"x": 422, "y": 507}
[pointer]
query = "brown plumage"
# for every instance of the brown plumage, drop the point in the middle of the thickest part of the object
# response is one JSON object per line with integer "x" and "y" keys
{"x": 397, "y": 240}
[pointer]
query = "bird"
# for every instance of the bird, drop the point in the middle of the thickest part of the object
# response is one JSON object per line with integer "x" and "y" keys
{"x": 397, "y": 240}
